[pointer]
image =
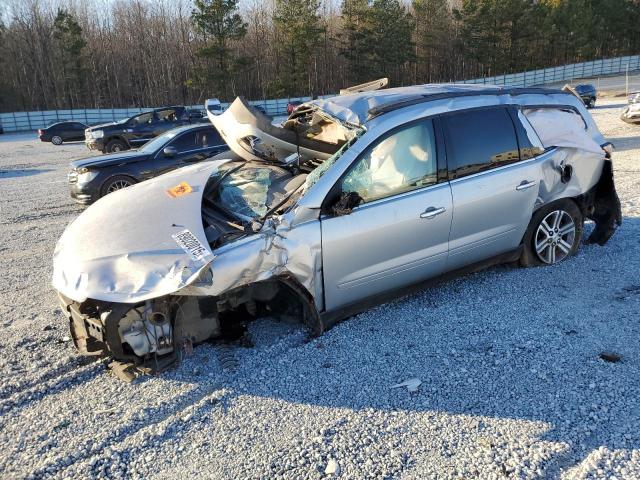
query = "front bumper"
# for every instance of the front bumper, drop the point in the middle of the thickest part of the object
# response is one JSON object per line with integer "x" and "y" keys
{"x": 631, "y": 116}
{"x": 83, "y": 193}
{"x": 94, "y": 143}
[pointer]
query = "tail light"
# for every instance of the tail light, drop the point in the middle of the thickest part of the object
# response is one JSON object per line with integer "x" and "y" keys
{"x": 40, "y": 132}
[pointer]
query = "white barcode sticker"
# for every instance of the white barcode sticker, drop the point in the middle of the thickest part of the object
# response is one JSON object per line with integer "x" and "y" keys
{"x": 190, "y": 244}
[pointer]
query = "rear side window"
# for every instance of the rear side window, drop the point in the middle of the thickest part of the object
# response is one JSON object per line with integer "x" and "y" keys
{"x": 185, "y": 142}
{"x": 479, "y": 140}
{"x": 530, "y": 144}
{"x": 208, "y": 137}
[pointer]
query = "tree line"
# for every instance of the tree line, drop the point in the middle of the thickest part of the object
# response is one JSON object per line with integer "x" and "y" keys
{"x": 59, "y": 54}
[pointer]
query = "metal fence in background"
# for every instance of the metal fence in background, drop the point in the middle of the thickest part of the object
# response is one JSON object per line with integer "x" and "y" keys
{"x": 607, "y": 66}
{"x": 29, "y": 121}
{"x": 26, "y": 121}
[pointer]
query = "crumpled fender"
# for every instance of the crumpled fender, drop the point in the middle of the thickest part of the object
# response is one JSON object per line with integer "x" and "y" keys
{"x": 121, "y": 248}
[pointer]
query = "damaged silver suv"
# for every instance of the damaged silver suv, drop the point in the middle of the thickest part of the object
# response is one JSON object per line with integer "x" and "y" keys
{"x": 353, "y": 200}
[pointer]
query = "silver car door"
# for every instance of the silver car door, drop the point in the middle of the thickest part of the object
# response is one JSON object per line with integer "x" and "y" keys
{"x": 494, "y": 192}
{"x": 399, "y": 234}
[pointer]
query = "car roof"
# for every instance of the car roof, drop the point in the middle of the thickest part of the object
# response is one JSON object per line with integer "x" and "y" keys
{"x": 186, "y": 128}
{"x": 60, "y": 122}
{"x": 357, "y": 108}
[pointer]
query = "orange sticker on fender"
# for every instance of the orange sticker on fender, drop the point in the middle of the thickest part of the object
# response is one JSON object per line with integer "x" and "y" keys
{"x": 179, "y": 190}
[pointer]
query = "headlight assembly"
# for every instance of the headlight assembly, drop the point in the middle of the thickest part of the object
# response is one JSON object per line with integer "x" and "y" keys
{"x": 97, "y": 133}
{"x": 85, "y": 175}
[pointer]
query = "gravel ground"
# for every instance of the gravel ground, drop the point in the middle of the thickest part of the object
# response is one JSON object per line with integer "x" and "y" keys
{"x": 512, "y": 383}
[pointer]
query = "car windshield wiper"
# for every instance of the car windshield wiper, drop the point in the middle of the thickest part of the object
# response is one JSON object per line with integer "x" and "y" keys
{"x": 275, "y": 208}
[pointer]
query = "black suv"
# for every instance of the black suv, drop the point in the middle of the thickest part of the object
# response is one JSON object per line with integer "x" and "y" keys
{"x": 587, "y": 93}
{"x": 134, "y": 131}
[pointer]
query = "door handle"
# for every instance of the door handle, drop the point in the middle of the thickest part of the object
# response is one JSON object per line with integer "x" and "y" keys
{"x": 432, "y": 212}
{"x": 524, "y": 185}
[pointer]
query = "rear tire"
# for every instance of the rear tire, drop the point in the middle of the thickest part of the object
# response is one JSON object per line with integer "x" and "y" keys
{"x": 116, "y": 145}
{"x": 554, "y": 234}
{"x": 117, "y": 182}
{"x": 56, "y": 140}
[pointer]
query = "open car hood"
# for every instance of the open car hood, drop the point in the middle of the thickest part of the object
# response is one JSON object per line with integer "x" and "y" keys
{"x": 137, "y": 243}
{"x": 251, "y": 134}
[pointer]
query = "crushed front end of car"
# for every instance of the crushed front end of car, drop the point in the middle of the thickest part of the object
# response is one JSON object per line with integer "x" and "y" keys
{"x": 631, "y": 114}
{"x": 149, "y": 271}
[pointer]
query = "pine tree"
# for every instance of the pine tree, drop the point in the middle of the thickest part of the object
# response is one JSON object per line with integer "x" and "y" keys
{"x": 69, "y": 43}
{"x": 433, "y": 34}
{"x": 390, "y": 41}
{"x": 298, "y": 29}
{"x": 356, "y": 35}
{"x": 219, "y": 23}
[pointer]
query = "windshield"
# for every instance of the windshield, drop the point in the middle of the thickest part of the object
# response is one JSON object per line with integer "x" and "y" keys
{"x": 250, "y": 191}
{"x": 157, "y": 143}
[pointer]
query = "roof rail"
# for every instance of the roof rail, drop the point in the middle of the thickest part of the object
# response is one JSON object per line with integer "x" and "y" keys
{"x": 390, "y": 107}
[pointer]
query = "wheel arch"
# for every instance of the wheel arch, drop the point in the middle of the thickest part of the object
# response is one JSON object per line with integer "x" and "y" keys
{"x": 117, "y": 136}
{"x": 277, "y": 288}
{"x": 112, "y": 176}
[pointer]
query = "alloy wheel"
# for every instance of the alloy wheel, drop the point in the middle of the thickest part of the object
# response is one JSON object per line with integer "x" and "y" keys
{"x": 555, "y": 237}
{"x": 118, "y": 185}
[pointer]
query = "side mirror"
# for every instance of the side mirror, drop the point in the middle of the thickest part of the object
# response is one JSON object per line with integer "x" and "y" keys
{"x": 170, "y": 152}
{"x": 345, "y": 203}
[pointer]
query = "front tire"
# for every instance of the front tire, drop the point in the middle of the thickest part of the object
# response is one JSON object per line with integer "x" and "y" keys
{"x": 591, "y": 103}
{"x": 554, "y": 234}
{"x": 56, "y": 140}
{"x": 117, "y": 182}
{"x": 116, "y": 145}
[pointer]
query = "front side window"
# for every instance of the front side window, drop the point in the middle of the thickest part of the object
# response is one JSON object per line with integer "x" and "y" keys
{"x": 399, "y": 162}
{"x": 479, "y": 140}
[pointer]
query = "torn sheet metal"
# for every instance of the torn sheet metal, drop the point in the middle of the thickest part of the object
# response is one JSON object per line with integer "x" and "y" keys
{"x": 122, "y": 248}
{"x": 280, "y": 248}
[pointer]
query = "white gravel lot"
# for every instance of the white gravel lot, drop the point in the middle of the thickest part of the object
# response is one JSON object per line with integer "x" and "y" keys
{"x": 512, "y": 383}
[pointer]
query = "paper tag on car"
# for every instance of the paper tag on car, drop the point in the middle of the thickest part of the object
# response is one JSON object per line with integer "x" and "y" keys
{"x": 190, "y": 244}
{"x": 179, "y": 190}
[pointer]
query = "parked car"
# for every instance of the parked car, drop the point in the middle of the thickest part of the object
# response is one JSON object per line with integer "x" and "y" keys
{"x": 355, "y": 200}
{"x": 634, "y": 97}
{"x": 587, "y": 93}
{"x": 631, "y": 114}
{"x": 94, "y": 177}
{"x": 261, "y": 109}
{"x": 213, "y": 105}
{"x": 135, "y": 131}
{"x": 291, "y": 106}
{"x": 59, "y": 132}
